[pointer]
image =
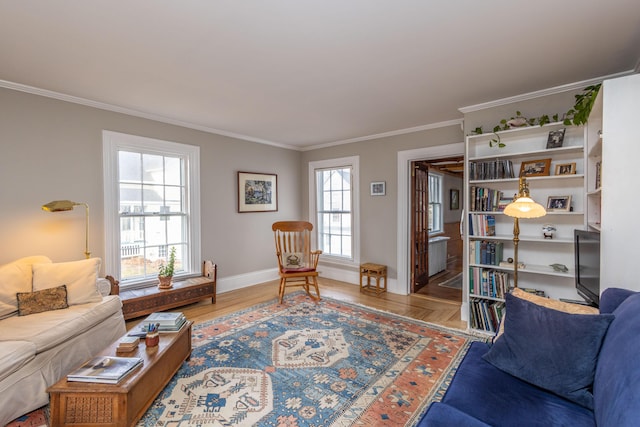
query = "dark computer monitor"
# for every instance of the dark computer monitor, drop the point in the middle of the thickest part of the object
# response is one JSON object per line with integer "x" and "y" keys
{"x": 587, "y": 256}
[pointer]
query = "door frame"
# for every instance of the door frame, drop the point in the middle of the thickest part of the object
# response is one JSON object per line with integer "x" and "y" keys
{"x": 404, "y": 188}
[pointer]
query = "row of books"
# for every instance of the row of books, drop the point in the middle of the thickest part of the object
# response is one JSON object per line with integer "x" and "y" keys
{"x": 486, "y": 315}
{"x": 493, "y": 169}
{"x": 488, "y": 282}
{"x": 482, "y": 225}
{"x": 484, "y": 199}
{"x": 486, "y": 253}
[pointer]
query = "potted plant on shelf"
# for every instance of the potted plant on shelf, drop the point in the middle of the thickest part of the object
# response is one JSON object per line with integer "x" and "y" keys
{"x": 165, "y": 272}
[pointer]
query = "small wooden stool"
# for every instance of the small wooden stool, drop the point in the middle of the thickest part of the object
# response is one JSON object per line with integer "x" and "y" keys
{"x": 377, "y": 271}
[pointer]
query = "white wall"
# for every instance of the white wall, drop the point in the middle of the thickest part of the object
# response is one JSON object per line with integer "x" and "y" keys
{"x": 52, "y": 150}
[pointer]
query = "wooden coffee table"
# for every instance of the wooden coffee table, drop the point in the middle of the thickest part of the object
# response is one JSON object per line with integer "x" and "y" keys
{"x": 123, "y": 404}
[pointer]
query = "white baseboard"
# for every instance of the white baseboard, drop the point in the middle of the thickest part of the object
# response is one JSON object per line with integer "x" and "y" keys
{"x": 240, "y": 281}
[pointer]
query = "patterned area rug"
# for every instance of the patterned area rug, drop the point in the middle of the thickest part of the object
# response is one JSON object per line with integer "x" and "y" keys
{"x": 304, "y": 363}
{"x": 310, "y": 364}
{"x": 455, "y": 282}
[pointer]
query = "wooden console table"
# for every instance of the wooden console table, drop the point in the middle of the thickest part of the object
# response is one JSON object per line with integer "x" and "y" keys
{"x": 140, "y": 302}
{"x": 123, "y": 404}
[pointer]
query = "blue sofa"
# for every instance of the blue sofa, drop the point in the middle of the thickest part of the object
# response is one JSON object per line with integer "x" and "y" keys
{"x": 480, "y": 394}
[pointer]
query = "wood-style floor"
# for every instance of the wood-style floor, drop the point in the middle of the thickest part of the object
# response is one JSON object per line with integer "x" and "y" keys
{"x": 422, "y": 307}
{"x": 432, "y": 289}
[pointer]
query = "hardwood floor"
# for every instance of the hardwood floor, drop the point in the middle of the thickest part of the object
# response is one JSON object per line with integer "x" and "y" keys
{"x": 433, "y": 290}
{"x": 422, "y": 307}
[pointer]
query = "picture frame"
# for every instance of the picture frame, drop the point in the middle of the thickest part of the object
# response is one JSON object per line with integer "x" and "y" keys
{"x": 257, "y": 192}
{"x": 566, "y": 168}
{"x": 539, "y": 167}
{"x": 378, "y": 188}
{"x": 454, "y": 199}
{"x": 556, "y": 138}
{"x": 559, "y": 203}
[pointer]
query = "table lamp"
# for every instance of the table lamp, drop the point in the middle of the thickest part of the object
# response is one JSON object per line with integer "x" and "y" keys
{"x": 522, "y": 206}
{"x": 67, "y": 205}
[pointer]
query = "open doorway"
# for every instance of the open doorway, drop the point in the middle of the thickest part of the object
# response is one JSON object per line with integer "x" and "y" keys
{"x": 435, "y": 239}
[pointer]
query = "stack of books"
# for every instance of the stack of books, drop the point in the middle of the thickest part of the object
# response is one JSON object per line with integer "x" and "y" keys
{"x": 105, "y": 369}
{"x": 164, "y": 321}
{"x": 127, "y": 344}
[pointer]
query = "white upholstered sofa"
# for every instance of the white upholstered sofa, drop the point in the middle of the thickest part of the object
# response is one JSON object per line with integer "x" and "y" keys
{"x": 47, "y": 329}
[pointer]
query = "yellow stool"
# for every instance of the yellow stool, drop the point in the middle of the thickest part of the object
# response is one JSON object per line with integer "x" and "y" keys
{"x": 377, "y": 271}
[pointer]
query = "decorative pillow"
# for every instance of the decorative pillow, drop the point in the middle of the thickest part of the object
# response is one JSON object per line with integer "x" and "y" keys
{"x": 293, "y": 260}
{"x": 16, "y": 277}
{"x": 79, "y": 276}
{"x": 551, "y": 349}
{"x": 44, "y": 300}
{"x": 555, "y": 304}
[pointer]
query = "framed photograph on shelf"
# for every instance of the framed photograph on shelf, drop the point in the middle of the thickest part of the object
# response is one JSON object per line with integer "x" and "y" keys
{"x": 257, "y": 192}
{"x": 454, "y": 199}
{"x": 378, "y": 188}
{"x": 556, "y": 137}
{"x": 559, "y": 203}
{"x": 566, "y": 169}
{"x": 535, "y": 167}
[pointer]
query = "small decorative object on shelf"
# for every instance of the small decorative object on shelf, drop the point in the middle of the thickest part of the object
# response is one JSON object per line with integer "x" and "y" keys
{"x": 559, "y": 267}
{"x": 548, "y": 230}
{"x": 165, "y": 272}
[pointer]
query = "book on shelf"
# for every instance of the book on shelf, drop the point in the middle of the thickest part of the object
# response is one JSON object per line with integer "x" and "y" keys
{"x": 484, "y": 199}
{"x": 482, "y": 225}
{"x": 486, "y": 315}
{"x": 492, "y": 169}
{"x": 105, "y": 369}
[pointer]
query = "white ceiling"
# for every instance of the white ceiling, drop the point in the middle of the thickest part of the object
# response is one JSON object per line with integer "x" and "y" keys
{"x": 302, "y": 73}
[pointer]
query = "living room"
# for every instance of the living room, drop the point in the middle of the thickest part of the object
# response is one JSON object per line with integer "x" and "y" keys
{"x": 52, "y": 141}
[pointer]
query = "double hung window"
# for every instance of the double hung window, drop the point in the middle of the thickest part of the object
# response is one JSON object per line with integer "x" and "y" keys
{"x": 151, "y": 206}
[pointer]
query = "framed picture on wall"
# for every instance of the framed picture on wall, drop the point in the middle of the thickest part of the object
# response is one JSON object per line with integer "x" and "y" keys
{"x": 378, "y": 188}
{"x": 454, "y": 199}
{"x": 257, "y": 192}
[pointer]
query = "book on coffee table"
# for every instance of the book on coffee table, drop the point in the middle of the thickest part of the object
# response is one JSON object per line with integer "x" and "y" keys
{"x": 166, "y": 321}
{"x": 105, "y": 369}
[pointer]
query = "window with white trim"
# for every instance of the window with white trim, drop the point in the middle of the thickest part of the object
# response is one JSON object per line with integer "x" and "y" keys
{"x": 151, "y": 205}
{"x": 333, "y": 201}
{"x": 436, "y": 220}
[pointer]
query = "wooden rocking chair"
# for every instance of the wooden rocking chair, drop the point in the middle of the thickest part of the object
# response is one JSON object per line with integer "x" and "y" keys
{"x": 297, "y": 263}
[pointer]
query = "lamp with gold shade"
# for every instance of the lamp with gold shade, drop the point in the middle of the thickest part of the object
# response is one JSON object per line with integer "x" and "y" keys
{"x": 67, "y": 205}
{"x": 522, "y": 206}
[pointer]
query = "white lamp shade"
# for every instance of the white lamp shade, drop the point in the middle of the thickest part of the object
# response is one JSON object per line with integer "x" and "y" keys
{"x": 524, "y": 207}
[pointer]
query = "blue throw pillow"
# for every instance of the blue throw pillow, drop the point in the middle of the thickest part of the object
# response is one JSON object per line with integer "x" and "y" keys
{"x": 551, "y": 349}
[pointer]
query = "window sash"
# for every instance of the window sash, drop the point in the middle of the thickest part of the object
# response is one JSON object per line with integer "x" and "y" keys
{"x": 333, "y": 209}
{"x": 173, "y": 180}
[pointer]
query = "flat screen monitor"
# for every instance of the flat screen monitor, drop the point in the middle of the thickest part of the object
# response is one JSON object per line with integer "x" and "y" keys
{"x": 587, "y": 256}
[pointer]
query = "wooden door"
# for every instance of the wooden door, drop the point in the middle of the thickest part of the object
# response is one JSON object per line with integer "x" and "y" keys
{"x": 419, "y": 225}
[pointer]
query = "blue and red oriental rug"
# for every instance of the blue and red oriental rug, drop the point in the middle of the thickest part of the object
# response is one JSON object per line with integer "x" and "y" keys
{"x": 304, "y": 363}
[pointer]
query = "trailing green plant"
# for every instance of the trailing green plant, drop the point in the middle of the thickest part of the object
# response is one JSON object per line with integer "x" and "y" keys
{"x": 577, "y": 115}
{"x": 166, "y": 270}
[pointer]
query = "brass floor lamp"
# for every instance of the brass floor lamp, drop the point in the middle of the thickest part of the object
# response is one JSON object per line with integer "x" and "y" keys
{"x": 523, "y": 206}
{"x": 67, "y": 205}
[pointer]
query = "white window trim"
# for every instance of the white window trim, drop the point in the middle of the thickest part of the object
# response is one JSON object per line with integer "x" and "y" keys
{"x": 354, "y": 163}
{"x": 112, "y": 143}
{"x": 441, "y": 197}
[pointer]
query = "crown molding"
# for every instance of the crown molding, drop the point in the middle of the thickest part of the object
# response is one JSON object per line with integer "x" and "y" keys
{"x": 543, "y": 92}
{"x": 456, "y": 122}
{"x": 136, "y": 113}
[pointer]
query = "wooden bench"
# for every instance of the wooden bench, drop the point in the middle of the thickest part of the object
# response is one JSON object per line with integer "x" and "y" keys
{"x": 141, "y": 302}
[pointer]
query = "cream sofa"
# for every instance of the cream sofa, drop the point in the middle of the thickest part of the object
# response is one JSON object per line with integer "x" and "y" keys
{"x": 36, "y": 350}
